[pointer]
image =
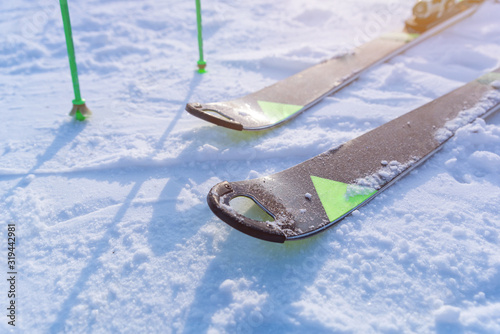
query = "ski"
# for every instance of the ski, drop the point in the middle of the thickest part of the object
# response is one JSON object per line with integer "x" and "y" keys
{"x": 314, "y": 195}
{"x": 286, "y": 99}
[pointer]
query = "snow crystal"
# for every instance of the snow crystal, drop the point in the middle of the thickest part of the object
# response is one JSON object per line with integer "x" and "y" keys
{"x": 239, "y": 300}
{"x": 28, "y": 179}
{"x": 480, "y": 297}
{"x": 355, "y": 190}
{"x": 490, "y": 100}
{"x": 487, "y": 161}
{"x": 448, "y": 315}
{"x": 208, "y": 152}
{"x": 222, "y": 200}
{"x": 384, "y": 174}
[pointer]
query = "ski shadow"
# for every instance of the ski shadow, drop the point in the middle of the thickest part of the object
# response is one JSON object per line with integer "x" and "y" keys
{"x": 167, "y": 227}
{"x": 102, "y": 245}
{"x": 64, "y": 135}
{"x": 280, "y": 272}
{"x": 164, "y": 219}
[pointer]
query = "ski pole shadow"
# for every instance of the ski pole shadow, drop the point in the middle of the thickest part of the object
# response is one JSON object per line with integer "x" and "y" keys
{"x": 195, "y": 81}
{"x": 160, "y": 227}
{"x": 94, "y": 264}
{"x": 168, "y": 225}
{"x": 111, "y": 228}
{"x": 65, "y": 135}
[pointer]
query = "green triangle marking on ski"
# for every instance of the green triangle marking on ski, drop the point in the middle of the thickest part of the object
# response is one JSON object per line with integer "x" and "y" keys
{"x": 489, "y": 78}
{"x": 401, "y": 36}
{"x": 278, "y": 111}
{"x": 334, "y": 198}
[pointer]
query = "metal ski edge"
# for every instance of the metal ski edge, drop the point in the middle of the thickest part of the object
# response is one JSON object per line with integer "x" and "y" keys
{"x": 200, "y": 111}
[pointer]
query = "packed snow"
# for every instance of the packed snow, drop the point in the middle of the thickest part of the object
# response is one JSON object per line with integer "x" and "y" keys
{"x": 489, "y": 102}
{"x": 388, "y": 172}
{"x": 113, "y": 234}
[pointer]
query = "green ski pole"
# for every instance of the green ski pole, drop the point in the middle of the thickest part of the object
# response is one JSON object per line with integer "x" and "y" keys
{"x": 201, "y": 63}
{"x": 79, "y": 110}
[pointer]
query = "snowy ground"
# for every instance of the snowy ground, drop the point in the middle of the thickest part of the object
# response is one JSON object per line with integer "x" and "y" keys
{"x": 114, "y": 234}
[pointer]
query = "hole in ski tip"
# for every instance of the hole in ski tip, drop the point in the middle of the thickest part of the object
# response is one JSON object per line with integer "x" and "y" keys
{"x": 249, "y": 208}
{"x": 217, "y": 114}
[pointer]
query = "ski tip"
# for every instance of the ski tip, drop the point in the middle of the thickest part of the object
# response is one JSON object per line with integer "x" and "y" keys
{"x": 219, "y": 199}
{"x": 213, "y": 116}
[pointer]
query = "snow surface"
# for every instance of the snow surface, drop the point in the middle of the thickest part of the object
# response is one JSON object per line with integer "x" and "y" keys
{"x": 114, "y": 234}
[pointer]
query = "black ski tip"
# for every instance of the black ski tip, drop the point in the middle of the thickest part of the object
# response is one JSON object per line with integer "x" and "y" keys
{"x": 198, "y": 110}
{"x": 218, "y": 200}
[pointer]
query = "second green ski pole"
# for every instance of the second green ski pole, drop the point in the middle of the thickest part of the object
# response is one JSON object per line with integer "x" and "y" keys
{"x": 201, "y": 63}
